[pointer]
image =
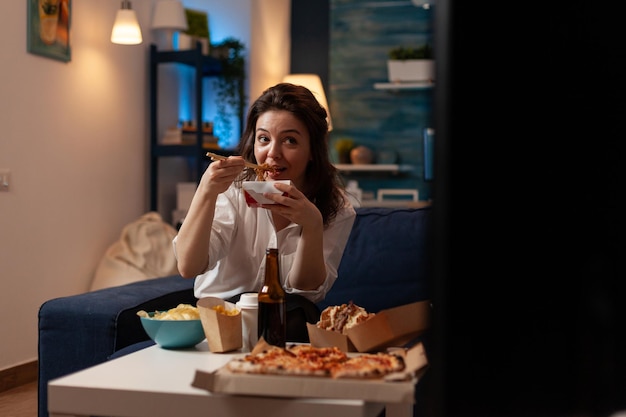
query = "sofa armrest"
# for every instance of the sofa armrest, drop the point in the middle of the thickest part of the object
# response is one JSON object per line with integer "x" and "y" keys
{"x": 83, "y": 330}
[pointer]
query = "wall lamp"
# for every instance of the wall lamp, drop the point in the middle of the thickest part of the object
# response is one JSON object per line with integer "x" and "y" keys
{"x": 126, "y": 30}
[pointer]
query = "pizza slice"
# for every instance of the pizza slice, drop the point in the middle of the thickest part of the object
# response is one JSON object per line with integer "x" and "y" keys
{"x": 369, "y": 365}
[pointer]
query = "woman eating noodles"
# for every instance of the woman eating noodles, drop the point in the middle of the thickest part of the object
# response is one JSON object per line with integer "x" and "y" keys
{"x": 222, "y": 241}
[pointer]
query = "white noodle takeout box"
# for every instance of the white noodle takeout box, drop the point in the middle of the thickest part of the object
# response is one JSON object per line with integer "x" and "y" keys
{"x": 254, "y": 190}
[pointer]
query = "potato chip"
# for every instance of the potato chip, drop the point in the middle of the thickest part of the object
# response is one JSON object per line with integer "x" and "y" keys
{"x": 180, "y": 312}
{"x": 222, "y": 310}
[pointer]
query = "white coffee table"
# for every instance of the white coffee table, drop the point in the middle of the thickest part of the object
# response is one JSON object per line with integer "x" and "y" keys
{"x": 156, "y": 382}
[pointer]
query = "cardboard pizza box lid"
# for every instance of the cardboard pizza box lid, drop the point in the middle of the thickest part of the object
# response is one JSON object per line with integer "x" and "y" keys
{"x": 391, "y": 390}
{"x": 390, "y": 327}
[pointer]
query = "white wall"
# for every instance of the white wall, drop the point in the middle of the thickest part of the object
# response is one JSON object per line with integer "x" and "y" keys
{"x": 74, "y": 136}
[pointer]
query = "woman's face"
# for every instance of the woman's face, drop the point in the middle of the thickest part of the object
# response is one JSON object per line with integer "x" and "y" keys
{"x": 282, "y": 141}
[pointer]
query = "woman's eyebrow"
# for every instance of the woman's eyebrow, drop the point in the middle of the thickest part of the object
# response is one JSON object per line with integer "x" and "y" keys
{"x": 282, "y": 132}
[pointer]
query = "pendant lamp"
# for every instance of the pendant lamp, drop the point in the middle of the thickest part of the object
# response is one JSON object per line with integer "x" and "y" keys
{"x": 126, "y": 30}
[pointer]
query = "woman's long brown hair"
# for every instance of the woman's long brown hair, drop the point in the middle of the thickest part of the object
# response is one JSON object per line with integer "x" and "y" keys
{"x": 323, "y": 184}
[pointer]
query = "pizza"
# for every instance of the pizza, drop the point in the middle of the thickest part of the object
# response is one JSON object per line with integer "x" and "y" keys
{"x": 370, "y": 365}
{"x": 305, "y": 360}
{"x": 342, "y": 317}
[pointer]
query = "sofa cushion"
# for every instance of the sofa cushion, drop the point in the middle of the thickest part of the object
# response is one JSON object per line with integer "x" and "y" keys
{"x": 388, "y": 246}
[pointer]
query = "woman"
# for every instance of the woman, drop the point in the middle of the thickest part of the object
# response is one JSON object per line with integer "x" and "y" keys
{"x": 222, "y": 241}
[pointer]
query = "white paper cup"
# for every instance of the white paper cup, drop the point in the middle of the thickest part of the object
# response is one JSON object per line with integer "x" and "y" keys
{"x": 249, "y": 306}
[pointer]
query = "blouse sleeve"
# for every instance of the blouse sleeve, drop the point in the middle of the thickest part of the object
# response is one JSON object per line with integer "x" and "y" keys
{"x": 335, "y": 238}
{"x": 222, "y": 229}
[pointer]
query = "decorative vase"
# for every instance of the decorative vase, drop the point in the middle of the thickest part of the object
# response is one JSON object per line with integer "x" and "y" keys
{"x": 361, "y": 155}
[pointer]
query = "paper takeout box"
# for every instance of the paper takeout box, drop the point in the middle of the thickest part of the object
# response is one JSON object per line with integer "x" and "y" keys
{"x": 253, "y": 191}
{"x": 222, "y": 331}
{"x": 391, "y": 327}
{"x": 397, "y": 388}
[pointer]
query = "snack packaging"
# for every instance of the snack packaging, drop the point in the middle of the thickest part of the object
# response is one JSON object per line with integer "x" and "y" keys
{"x": 222, "y": 331}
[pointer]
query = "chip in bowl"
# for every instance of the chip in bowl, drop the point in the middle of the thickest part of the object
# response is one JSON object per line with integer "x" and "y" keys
{"x": 176, "y": 328}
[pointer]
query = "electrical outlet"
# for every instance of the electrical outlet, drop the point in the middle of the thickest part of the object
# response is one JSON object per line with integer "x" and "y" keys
{"x": 5, "y": 177}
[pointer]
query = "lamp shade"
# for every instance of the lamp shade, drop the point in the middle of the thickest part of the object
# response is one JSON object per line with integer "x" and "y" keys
{"x": 126, "y": 30}
{"x": 169, "y": 14}
{"x": 313, "y": 83}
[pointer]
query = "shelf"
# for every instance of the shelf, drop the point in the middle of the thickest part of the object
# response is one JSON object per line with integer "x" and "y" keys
{"x": 186, "y": 150}
{"x": 418, "y": 85}
{"x": 209, "y": 66}
{"x": 174, "y": 150}
{"x": 195, "y": 150}
{"x": 391, "y": 168}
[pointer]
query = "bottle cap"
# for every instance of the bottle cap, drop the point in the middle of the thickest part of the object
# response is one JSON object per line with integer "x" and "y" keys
{"x": 249, "y": 300}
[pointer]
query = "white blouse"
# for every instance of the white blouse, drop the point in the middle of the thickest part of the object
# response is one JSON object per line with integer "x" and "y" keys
{"x": 239, "y": 237}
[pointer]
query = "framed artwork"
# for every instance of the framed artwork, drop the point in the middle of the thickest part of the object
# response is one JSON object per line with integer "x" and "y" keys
{"x": 48, "y": 23}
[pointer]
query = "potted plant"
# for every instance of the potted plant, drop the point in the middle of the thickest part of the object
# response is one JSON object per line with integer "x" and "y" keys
{"x": 197, "y": 31}
{"x": 229, "y": 86}
{"x": 408, "y": 64}
{"x": 343, "y": 146}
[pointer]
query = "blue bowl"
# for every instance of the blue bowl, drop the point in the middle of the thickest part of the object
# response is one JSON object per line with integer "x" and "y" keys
{"x": 174, "y": 334}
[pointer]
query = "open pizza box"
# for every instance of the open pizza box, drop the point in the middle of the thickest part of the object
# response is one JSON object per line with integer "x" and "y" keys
{"x": 391, "y": 327}
{"x": 395, "y": 388}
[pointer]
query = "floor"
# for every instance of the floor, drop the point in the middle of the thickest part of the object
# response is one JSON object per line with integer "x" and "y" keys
{"x": 20, "y": 401}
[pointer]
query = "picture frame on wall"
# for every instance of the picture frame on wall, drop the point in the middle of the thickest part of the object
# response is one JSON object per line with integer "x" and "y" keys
{"x": 48, "y": 26}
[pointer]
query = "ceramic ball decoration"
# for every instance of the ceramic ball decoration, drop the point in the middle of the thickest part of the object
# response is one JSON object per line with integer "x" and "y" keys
{"x": 361, "y": 155}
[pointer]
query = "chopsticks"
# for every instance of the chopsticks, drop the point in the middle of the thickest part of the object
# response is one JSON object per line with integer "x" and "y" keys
{"x": 217, "y": 157}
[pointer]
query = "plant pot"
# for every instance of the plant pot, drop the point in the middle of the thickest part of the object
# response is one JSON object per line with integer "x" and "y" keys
{"x": 411, "y": 70}
{"x": 186, "y": 42}
{"x": 344, "y": 157}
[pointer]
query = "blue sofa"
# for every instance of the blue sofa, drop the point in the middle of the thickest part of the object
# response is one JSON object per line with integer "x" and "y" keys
{"x": 386, "y": 264}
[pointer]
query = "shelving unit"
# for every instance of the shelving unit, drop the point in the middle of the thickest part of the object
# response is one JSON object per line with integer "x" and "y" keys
{"x": 380, "y": 170}
{"x": 205, "y": 66}
{"x": 418, "y": 85}
{"x": 389, "y": 168}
